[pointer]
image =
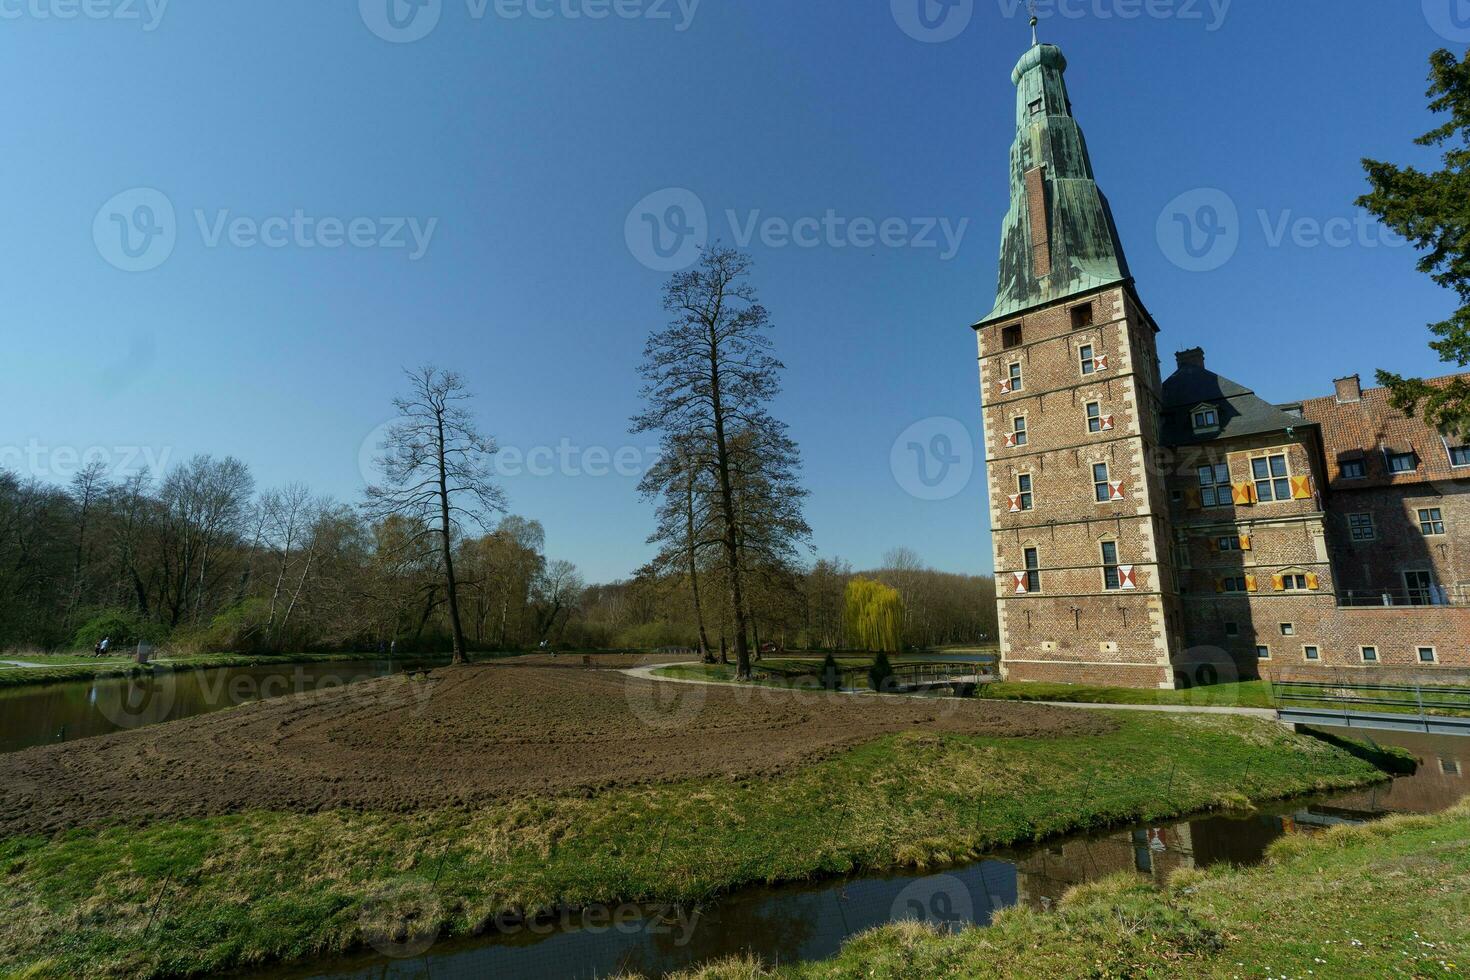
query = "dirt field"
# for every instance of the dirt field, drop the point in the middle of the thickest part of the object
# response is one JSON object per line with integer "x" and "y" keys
{"x": 465, "y": 736}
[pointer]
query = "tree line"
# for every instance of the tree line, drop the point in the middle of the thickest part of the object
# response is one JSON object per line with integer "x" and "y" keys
{"x": 429, "y": 559}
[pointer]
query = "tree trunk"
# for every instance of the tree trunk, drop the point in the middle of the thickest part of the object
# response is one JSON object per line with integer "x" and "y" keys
{"x": 444, "y": 528}
{"x": 704, "y": 652}
{"x": 727, "y": 507}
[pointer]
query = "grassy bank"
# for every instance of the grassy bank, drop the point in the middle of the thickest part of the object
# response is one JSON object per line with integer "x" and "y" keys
{"x": 1243, "y": 694}
{"x": 63, "y": 668}
{"x": 1389, "y": 899}
{"x": 207, "y": 895}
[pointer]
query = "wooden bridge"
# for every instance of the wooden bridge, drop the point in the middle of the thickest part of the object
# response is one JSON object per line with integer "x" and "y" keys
{"x": 910, "y": 678}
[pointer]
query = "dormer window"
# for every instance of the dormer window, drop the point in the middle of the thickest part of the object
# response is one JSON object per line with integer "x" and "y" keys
{"x": 1011, "y": 336}
{"x": 1037, "y": 106}
{"x": 1353, "y": 469}
{"x": 1082, "y": 316}
{"x": 1206, "y": 418}
{"x": 1403, "y": 462}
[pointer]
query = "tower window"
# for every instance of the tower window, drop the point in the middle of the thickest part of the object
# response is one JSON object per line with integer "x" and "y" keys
{"x": 1089, "y": 361}
{"x": 1033, "y": 570}
{"x": 1081, "y": 316}
{"x": 1370, "y": 655}
{"x": 1094, "y": 416}
{"x": 1362, "y": 528}
{"x": 1016, "y": 382}
{"x": 1020, "y": 430}
{"x": 1312, "y": 653}
{"x": 1112, "y": 581}
{"x": 1100, "y": 483}
{"x": 1011, "y": 336}
{"x": 1023, "y": 488}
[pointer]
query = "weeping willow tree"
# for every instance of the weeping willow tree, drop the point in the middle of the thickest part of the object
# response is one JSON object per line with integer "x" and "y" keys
{"x": 874, "y": 615}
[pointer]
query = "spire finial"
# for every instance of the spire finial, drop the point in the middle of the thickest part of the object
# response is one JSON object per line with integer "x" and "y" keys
{"x": 1034, "y": 21}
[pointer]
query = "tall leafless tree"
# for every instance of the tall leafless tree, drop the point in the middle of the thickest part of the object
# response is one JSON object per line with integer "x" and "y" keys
{"x": 437, "y": 472}
{"x": 710, "y": 376}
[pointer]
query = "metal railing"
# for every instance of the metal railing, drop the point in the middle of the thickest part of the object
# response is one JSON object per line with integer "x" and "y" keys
{"x": 1435, "y": 595}
{"x": 1443, "y": 708}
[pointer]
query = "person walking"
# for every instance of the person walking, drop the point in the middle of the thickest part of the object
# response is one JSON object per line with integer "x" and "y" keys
{"x": 102, "y": 647}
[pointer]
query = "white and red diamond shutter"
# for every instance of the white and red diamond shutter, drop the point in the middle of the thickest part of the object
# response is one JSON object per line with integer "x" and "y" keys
{"x": 1005, "y": 386}
{"x": 1100, "y": 363}
{"x": 1115, "y": 490}
{"x": 1107, "y": 423}
{"x": 1127, "y": 577}
{"x": 1020, "y": 580}
{"x": 1015, "y": 503}
{"x": 1011, "y": 441}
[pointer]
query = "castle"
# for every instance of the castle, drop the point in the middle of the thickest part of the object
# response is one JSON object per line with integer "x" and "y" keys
{"x": 1154, "y": 532}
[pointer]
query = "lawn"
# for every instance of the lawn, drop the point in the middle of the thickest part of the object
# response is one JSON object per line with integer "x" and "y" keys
{"x": 1388, "y": 899}
{"x": 249, "y": 889}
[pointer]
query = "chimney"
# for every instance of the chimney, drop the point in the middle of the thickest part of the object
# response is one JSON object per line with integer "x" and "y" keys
{"x": 1195, "y": 357}
{"x": 1349, "y": 389}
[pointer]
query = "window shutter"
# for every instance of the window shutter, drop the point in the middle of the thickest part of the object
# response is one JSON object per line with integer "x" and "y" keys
{"x": 1301, "y": 488}
{"x": 1108, "y": 423}
{"x": 1100, "y": 362}
{"x": 1015, "y": 503}
{"x": 1127, "y": 578}
{"x": 1251, "y": 584}
{"x": 1011, "y": 441}
{"x": 1278, "y": 582}
{"x": 1314, "y": 582}
{"x": 1213, "y": 545}
{"x": 1020, "y": 579}
{"x": 1192, "y": 499}
{"x": 1243, "y": 494}
{"x": 1219, "y": 585}
{"x": 1005, "y": 386}
{"x": 1115, "y": 490}
{"x": 1245, "y": 542}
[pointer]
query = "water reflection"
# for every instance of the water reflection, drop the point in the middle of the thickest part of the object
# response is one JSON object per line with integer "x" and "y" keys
{"x": 43, "y": 715}
{"x": 812, "y": 921}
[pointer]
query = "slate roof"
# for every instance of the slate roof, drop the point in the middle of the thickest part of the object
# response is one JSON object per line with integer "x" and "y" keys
{"x": 1242, "y": 411}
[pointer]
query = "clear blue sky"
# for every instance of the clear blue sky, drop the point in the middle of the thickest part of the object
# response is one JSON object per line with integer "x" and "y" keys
{"x": 530, "y": 140}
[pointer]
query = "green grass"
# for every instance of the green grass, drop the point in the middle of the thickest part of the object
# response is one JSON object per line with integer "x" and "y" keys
{"x": 1243, "y": 694}
{"x": 1388, "y": 899}
{"x": 246, "y": 890}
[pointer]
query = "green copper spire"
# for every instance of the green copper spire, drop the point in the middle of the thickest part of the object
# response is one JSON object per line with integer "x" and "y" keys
{"x": 1058, "y": 239}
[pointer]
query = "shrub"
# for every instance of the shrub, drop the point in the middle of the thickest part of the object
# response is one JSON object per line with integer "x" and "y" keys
{"x": 125, "y": 628}
{"x": 831, "y": 676}
{"x": 880, "y": 675}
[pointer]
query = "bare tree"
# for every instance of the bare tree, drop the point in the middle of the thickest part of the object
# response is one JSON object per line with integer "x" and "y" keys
{"x": 558, "y": 589}
{"x": 709, "y": 377}
{"x": 684, "y": 527}
{"x": 436, "y": 472}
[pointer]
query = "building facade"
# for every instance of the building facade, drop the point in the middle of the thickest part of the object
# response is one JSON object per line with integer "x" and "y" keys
{"x": 1156, "y": 532}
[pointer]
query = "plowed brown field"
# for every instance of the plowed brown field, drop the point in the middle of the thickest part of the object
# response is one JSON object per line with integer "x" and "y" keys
{"x": 464, "y": 736}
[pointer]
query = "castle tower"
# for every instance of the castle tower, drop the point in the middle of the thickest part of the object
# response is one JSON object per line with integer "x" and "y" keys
{"x": 1070, "y": 386}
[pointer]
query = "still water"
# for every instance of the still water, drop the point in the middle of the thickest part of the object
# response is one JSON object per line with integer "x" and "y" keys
{"x": 812, "y": 921}
{"x": 63, "y": 712}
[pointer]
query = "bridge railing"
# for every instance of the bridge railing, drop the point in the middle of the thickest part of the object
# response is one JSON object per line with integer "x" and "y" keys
{"x": 1418, "y": 704}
